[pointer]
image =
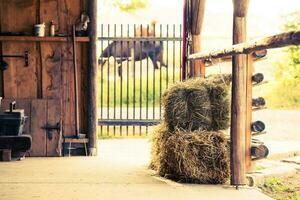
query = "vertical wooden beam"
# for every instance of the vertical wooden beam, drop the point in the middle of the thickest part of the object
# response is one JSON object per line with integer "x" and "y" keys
{"x": 248, "y": 112}
{"x": 238, "y": 107}
{"x": 197, "y": 8}
{"x": 92, "y": 80}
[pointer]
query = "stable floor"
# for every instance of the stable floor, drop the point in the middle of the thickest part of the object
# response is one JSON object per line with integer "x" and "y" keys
{"x": 119, "y": 172}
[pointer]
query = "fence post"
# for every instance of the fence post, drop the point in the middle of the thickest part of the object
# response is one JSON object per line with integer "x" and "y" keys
{"x": 238, "y": 107}
{"x": 197, "y": 67}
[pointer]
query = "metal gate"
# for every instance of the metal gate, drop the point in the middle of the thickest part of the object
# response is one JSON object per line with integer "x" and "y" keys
{"x": 137, "y": 64}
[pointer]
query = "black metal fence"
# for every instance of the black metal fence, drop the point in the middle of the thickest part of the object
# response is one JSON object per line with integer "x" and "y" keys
{"x": 137, "y": 63}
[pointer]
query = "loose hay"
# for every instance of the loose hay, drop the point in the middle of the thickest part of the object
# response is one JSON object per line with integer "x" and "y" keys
{"x": 162, "y": 160}
{"x": 195, "y": 157}
{"x": 198, "y": 104}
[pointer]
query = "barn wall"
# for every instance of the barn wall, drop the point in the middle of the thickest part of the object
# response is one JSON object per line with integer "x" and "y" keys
{"x": 50, "y": 71}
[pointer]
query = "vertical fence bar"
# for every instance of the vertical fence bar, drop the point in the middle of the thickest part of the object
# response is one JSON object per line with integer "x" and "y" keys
{"x": 167, "y": 72}
{"x": 147, "y": 82}
{"x": 160, "y": 77}
{"x": 120, "y": 70}
{"x": 174, "y": 31}
{"x": 115, "y": 79}
{"x": 108, "y": 81}
{"x": 101, "y": 86}
{"x": 180, "y": 52}
{"x": 153, "y": 97}
{"x": 127, "y": 90}
{"x": 141, "y": 76}
{"x": 134, "y": 88}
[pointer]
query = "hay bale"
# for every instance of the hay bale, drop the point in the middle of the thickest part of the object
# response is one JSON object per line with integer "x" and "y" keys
{"x": 220, "y": 104}
{"x": 198, "y": 104}
{"x": 162, "y": 160}
{"x": 201, "y": 157}
{"x": 187, "y": 106}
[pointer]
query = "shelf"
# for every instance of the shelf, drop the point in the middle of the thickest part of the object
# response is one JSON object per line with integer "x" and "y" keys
{"x": 41, "y": 39}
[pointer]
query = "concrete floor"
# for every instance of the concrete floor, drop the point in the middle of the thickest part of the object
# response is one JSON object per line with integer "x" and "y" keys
{"x": 119, "y": 172}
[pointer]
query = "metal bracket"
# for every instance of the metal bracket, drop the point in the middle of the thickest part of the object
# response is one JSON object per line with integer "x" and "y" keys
{"x": 24, "y": 56}
{"x": 50, "y": 129}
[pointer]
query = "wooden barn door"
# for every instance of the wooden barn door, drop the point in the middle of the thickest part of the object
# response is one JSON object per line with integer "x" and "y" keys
{"x": 41, "y": 113}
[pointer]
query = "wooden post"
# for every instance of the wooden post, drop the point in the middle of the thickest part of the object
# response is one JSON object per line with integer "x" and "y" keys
{"x": 248, "y": 113}
{"x": 238, "y": 107}
{"x": 197, "y": 67}
{"x": 92, "y": 80}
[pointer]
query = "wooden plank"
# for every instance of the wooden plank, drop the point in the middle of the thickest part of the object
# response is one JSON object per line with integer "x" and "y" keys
{"x": 52, "y": 70}
{"x": 38, "y": 120}
{"x": 54, "y": 145}
{"x": 20, "y": 82}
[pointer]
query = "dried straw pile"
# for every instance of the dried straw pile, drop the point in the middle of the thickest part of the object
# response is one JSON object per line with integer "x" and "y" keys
{"x": 187, "y": 145}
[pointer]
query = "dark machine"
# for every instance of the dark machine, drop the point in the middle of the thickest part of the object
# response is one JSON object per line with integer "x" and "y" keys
{"x": 13, "y": 145}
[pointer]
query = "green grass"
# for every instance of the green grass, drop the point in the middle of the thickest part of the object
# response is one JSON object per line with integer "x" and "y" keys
{"x": 280, "y": 189}
{"x": 141, "y": 86}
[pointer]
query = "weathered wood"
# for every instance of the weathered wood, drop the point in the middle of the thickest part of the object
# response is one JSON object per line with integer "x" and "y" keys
{"x": 257, "y": 56}
{"x": 40, "y": 39}
{"x": 54, "y": 145}
{"x": 240, "y": 7}
{"x": 38, "y": 120}
{"x": 275, "y": 41}
{"x": 197, "y": 68}
{"x": 238, "y": 105}
{"x": 197, "y": 15}
{"x": 92, "y": 79}
{"x": 49, "y": 74}
{"x": 248, "y": 112}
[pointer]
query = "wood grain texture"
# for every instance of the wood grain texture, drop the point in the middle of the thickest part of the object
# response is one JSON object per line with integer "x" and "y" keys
{"x": 248, "y": 132}
{"x": 198, "y": 11}
{"x": 54, "y": 145}
{"x": 274, "y": 41}
{"x": 41, "y": 39}
{"x": 49, "y": 75}
{"x": 38, "y": 120}
{"x": 240, "y": 7}
{"x": 238, "y": 107}
{"x": 197, "y": 68}
{"x": 92, "y": 79}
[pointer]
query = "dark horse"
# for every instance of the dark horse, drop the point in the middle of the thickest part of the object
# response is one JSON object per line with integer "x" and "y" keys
{"x": 122, "y": 51}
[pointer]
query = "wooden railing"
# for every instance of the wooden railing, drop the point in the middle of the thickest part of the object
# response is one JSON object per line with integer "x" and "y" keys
{"x": 271, "y": 42}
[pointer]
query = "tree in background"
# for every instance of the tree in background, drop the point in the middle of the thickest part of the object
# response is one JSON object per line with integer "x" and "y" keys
{"x": 286, "y": 93}
{"x": 130, "y": 5}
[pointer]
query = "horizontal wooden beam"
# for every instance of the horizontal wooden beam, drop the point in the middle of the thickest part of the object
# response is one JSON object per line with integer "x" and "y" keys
{"x": 41, "y": 39}
{"x": 275, "y": 41}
